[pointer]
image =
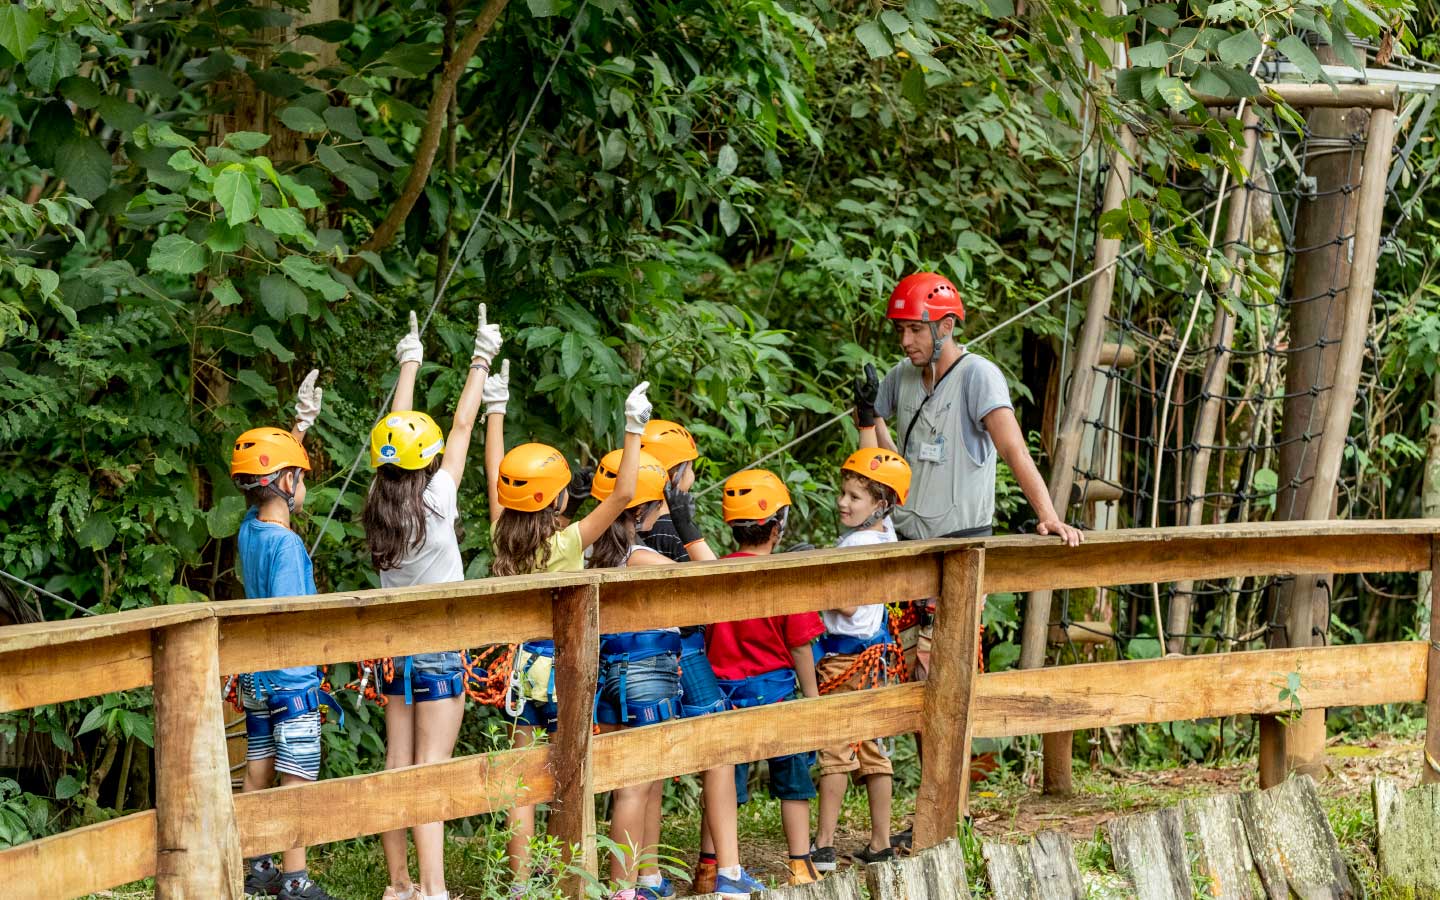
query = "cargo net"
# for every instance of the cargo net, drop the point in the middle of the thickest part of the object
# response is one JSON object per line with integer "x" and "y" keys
{"x": 1229, "y": 452}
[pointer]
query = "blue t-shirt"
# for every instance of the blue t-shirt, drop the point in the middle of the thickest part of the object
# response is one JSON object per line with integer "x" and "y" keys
{"x": 273, "y": 563}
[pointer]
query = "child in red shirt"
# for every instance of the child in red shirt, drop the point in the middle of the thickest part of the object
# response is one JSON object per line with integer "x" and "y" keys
{"x": 761, "y": 661}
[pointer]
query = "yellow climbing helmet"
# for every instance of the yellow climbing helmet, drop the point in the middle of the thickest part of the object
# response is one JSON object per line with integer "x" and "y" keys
{"x": 649, "y": 487}
{"x": 407, "y": 439}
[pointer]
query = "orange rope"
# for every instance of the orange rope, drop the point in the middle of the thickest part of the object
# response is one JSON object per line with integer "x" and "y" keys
{"x": 487, "y": 674}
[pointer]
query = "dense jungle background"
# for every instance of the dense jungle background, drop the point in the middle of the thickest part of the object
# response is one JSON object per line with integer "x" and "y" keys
{"x": 203, "y": 201}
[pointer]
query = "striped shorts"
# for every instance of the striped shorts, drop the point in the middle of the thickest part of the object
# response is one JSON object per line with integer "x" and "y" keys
{"x": 294, "y": 743}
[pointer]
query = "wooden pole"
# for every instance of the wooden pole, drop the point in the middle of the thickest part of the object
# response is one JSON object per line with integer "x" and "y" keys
{"x": 1430, "y": 765}
{"x": 576, "y": 616}
{"x": 1213, "y": 390}
{"x": 1071, "y": 432}
{"x": 949, "y": 691}
{"x": 1318, "y": 96}
{"x": 197, "y": 842}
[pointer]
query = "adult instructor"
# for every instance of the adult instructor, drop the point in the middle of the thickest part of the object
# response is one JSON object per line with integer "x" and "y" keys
{"x": 952, "y": 412}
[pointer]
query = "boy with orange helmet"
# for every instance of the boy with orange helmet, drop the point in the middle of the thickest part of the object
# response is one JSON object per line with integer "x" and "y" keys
{"x": 873, "y": 483}
{"x": 282, "y": 707}
{"x": 762, "y": 661}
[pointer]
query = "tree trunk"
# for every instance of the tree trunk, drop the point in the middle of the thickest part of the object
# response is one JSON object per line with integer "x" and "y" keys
{"x": 1429, "y": 504}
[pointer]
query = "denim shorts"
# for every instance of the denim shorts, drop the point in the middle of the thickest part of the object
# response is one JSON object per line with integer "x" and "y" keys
{"x": 789, "y": 778}
{"x": 444, "y": 663}
{"x": 294, "y": 743}
{"x": 700, "y": 693}
{"x": 652, "y": 680}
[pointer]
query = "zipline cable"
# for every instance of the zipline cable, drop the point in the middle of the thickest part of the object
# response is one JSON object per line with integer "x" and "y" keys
{"x": 460, "y": 254}
{"x": 39, "y": 590}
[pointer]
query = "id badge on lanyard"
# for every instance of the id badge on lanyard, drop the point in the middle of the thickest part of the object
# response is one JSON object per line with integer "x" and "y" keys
{"x": 933, "y": 451}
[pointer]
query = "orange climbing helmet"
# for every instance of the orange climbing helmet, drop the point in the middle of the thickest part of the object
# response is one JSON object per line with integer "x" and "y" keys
{"x": 532, "y": 476}
{"x": 265, "y": 451}
{"x": 880, "y": 465}
{"x": 754, "y": 495}
{"x": 669, "y": 442}
{"x": 407, "y": 439}
{"x": 648, "y": 488}
{"x": 925, "y": 297}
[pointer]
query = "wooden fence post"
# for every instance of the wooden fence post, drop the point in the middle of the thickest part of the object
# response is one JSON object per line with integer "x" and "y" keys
{"x": 576, "y": 615}
{"x": 1430, "y": 765}
{"x": 945, "y": 772}
{"x": 197, "y": 842}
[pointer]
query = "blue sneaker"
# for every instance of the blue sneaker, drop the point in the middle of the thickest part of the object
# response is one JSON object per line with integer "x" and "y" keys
{"x": 663, "y": 892}
{"x": 738, "y": 888}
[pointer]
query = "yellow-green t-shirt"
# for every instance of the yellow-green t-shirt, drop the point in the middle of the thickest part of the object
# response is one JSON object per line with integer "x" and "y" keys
{"x": 567, "y": 550}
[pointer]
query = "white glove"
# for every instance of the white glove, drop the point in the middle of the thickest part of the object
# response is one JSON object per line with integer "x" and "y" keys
{"x": 637, "y": 409}
{"x": 487, "y": 342}
{"x": 496, "y": 394}
{"x": 410, "y": 349}
{"x": 307, "y": 402}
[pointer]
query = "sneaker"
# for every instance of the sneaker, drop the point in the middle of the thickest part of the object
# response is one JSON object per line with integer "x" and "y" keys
{"x": 704, "y": 880}
{"x": 868, "y": 856}
{"x": 738, "y": 888}
{"x": 303, "y": 889}
{"x": 901, "y": 841}
{"x": 802, "y": 871}
{"x": 662, "y": 891}
{"x": 262, "y": 882}
{"x": 823, "y": 858}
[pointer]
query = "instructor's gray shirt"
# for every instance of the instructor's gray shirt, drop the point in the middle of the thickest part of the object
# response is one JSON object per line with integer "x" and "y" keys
{"x": 950, "y": 452}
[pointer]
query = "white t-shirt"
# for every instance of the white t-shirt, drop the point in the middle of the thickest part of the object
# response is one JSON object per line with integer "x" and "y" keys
{"x": 869, "y": 618}
{"x": 437, "y": 560}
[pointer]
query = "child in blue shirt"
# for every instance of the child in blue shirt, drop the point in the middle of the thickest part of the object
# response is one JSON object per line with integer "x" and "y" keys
{"x": 282, "y": 706}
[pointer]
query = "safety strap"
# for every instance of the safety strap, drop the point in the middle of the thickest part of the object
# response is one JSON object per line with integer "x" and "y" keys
{"x": 759, "y": 690}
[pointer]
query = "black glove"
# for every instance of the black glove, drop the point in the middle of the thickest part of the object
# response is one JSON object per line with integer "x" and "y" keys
{"x": 867, "y": 389}
{"x": 581, "y": 481}
{"x": 682, "y": 514}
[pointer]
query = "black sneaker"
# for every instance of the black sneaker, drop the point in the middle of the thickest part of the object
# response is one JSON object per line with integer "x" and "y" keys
{"x": 901, "y": 841}
{"x": 303, "y": 889}
{"x": 823, "y": 858}
{"x": 263, "y": 881}
{"x": 868, "y": 856}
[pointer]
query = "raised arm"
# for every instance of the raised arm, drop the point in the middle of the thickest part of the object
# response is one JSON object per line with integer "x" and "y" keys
{"x": 409, "y": 353}
{"x": 682, "y": 516}
{"x": 457, "y": 446}
{"x": 307, "y": 405}
{"x": 637, "y": 413}
{"x": 1005, "y": 432}
{"x": 496, "y": 397}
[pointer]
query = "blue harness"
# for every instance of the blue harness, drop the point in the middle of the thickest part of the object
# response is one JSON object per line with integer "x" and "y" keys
{"x": 421, "y": 686}
{"x": 848, "y": 645}
{"x": 632, "y": 646}
{"x": 759, "y": 690}
{"x": 286, "y": 705}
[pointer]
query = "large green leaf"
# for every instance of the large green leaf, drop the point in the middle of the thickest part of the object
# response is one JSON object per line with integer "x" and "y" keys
{"x": 56, "y": 59}
{"x": 84, "y": 164}
{"x": 19, "y": 26}
{"x": 283, "y": 222}
{"x": 872, "y": 37}
{"x": 265, "y": 339}
{"x": 1240, "y": 48}
{"x": 282, "y": 298}
{"x": 178, "y": 254}
{"x": 1295, "y": 50}
{"x": 312, "y": 275}
{"x": 238, "y": 191}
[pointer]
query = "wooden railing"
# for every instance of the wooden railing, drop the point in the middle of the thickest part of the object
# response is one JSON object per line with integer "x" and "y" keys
{"x": 194, "y": 839}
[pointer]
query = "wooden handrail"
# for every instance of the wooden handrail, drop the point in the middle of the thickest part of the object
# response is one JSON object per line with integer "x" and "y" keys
{"x": 51, "y": 662}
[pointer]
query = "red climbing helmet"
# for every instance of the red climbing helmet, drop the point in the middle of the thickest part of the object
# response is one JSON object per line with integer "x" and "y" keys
{"x": 925, "y": 297}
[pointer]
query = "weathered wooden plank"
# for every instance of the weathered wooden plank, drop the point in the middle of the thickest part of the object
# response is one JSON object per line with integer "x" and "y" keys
{"x": 195, "y": 816}
{"x": 87, "y": 668}
{"x": 934, "y": 874}
{"x": 637, "y": 755}
{"x": 720, "y": 591}
{"x": 1215, "y": 835}
{"x": 1292, "y": 844}
{"x": 577, "y": 670}
{"x": 304, "y": 815}
{"x": 835, "y": 886}
{"x": 1057, "y": 877}
{"x": 1430, "y": 770}
{"x": 14, "y": 638}
{"x": 1149, "y": 850}
{"x": 1073, "y": 698}
{"x": 374, "y": 627}
{"x": 1044, "y": 869}
{"x": 1052, "y": 566}
{"x": 945, "y": 769}
{"x": 515, "y": 588}
{"x": 1407, "y": 825}
{"x": 81, "y": 861}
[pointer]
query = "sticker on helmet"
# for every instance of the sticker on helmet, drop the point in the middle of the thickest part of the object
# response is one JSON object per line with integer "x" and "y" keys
{"x": 394, "y": 421}
{"x": 388, "y": 451}
{"x": 264, "y": 459}
{"x": 874, "y": 464}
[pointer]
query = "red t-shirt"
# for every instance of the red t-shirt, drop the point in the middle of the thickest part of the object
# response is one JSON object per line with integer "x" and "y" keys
{"x": 755, "y": 646}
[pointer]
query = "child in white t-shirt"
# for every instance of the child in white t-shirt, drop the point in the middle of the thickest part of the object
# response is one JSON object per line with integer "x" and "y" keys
{"x": 873, "y": 482}
{"x": 409, "y": 518}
